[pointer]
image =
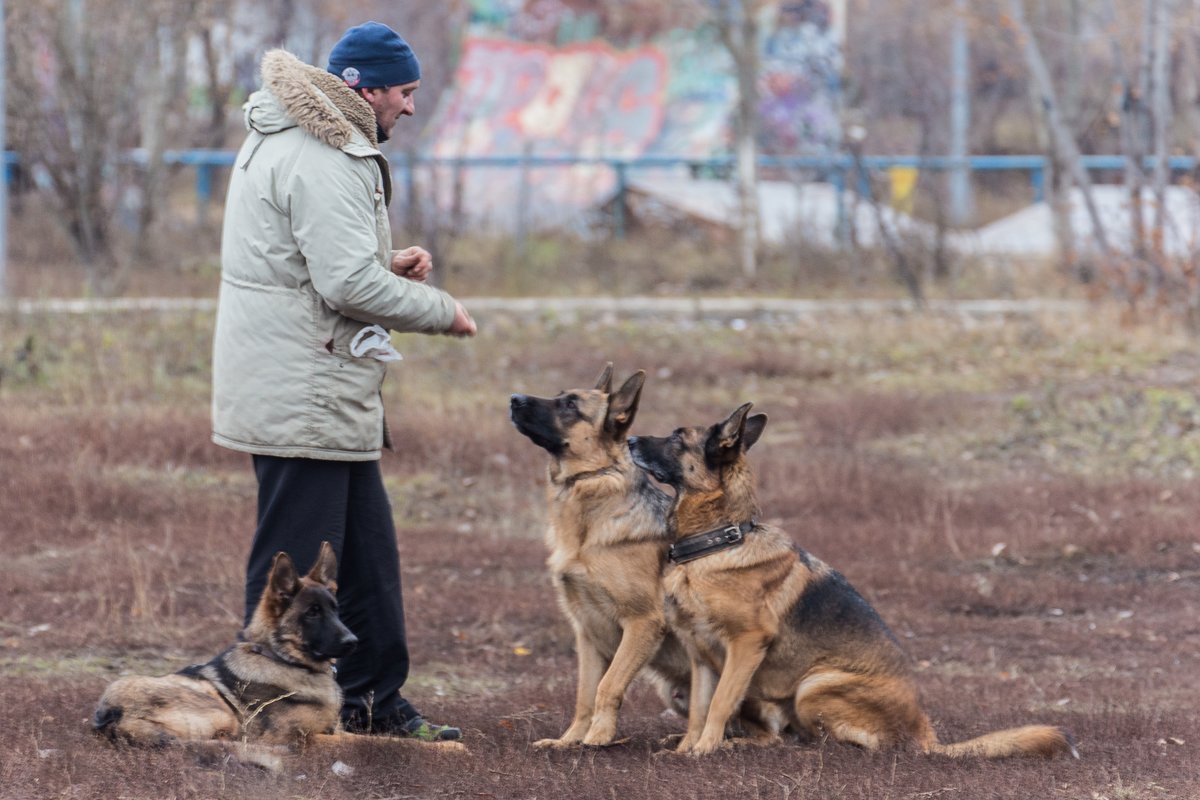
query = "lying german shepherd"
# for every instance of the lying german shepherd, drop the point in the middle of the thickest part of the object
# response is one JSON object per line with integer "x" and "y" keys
{"x": 608, "y": 540}
{"x": 775, "y": 623}
{"x": 275, "y": 686}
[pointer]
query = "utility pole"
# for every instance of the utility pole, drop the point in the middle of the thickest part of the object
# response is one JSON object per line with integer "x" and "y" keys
{"x": 962, "y": 205}
{"x": 3, "y": 159}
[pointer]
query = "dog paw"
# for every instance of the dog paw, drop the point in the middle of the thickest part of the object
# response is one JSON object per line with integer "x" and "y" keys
{"x": 685, "y": 745}
{"x": 554, "y": 744}
{"x": 600, "y": 736}
{"x": 704, "y": 747}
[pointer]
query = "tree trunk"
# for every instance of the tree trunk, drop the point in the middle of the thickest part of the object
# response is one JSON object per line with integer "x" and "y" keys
{"x": 739, "y": 32}
{"x": 1161, "y": 115}
{"x": 1062, "y": 140}
{"x": 166, "y": 93}
{"x": 1132, "y": 104}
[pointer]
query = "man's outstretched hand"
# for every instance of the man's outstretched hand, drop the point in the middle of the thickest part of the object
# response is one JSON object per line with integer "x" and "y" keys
{"x": 463, "y": 325}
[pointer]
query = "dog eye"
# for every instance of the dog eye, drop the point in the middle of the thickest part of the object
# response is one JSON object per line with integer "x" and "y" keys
{"x": 570, "y": 404}
{"x": 313, "y": 611}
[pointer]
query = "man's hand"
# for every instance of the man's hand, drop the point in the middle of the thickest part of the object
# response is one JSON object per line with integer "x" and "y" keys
{"x": 413, "y": 263}
{"x": 463, "y": 325}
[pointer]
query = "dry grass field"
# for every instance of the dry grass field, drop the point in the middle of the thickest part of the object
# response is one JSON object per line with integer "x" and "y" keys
{"x": 1018, "y": 498}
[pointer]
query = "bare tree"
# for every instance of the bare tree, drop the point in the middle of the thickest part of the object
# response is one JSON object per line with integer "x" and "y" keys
{"x": 1062, "y": 140}
{"x": 1134, "y": 123}
{"x": 89, "y": 79}
{"x": 738, "y": 26}
{"x": 1161, "y": 18}
{"x": 213, "y": 32}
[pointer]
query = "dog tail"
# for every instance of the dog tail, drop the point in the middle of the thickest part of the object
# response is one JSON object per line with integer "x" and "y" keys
{"x": 105, "y": 719}
{"x": 1030, "y": 740}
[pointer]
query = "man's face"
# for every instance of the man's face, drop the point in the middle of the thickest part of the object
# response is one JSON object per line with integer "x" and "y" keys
{"x": 392, "y": 103}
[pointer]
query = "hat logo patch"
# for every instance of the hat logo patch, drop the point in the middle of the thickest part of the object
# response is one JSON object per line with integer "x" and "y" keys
{"x": 351, "y": 76}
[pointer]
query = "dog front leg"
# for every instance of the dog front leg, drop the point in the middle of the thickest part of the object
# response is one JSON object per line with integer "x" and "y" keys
{"x": 742, "y": 659}
{"x": 704, "y": 682}
{"x": 639, "y": 640}
{"x": 591, "y": 670}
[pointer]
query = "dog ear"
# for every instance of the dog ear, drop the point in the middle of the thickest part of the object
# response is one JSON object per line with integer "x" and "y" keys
{"x": 604, "y": 380}
{"x": 324, "y": 571}
{"x": 724, "y": 443}
{"x": 622, "y": 406}
{"x": 282, "y": 584}
{"x": 729, "y": 432}
{"x": 753, "y": 430}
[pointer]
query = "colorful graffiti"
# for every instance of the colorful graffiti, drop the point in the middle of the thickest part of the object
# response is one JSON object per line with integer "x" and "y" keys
{"x": 513, "y": 99}
{"x": 577, "y": 100}
{"x": 799, "y": 81}
{"x": 520, "y": 90}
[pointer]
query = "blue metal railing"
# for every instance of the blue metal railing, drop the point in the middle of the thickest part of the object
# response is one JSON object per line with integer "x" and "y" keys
{"x": 835, "y": 168}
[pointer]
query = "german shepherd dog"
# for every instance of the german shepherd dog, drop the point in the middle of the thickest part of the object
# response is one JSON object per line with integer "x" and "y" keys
{"x": 607, "y": 536}
{"x": 275, "y": 686}
{"x": 775, "y": 623}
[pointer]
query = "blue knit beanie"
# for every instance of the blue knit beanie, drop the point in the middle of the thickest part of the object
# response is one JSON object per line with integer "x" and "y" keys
{"x": 371, "y": 56}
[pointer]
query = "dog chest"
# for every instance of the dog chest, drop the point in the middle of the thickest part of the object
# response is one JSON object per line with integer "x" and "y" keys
{"x": 690, "y": 617}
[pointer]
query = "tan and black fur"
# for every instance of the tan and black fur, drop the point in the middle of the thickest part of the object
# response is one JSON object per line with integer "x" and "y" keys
{"x": 765, "y": 621}
{"x": 607, "y": 537}
{"x": 275, "y": 686}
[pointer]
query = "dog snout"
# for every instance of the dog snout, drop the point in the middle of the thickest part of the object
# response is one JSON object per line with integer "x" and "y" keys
{"x": 347, "y": 644}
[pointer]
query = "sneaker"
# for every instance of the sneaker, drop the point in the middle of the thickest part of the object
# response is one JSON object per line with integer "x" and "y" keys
{"x": 424, "y": 731}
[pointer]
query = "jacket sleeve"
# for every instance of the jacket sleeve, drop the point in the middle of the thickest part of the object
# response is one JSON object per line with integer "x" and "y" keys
{"x": 331, "y": 200}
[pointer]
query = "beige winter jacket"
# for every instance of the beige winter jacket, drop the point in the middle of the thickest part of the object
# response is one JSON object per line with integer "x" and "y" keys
{"x": 305, "y": 258}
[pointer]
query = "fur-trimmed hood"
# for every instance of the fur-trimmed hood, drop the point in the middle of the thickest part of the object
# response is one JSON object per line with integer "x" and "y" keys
{"x": 298, "y": 94}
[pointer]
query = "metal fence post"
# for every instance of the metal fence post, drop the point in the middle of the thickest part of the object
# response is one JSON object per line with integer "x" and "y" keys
{"x": 1037, "y": 179}
{"x": 620, "y": 167}
{"x": 838, "y": 179}
{"x": 204, "y": 176}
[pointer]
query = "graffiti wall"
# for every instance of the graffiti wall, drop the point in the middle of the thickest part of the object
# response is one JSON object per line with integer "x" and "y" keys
{"x": 586, "y": 99}
{"x": 800, "y": 81}
{"x": 535, "y": 78}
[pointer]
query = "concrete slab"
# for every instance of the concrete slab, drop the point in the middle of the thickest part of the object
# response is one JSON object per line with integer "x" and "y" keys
{"x": 1030, "y": 231}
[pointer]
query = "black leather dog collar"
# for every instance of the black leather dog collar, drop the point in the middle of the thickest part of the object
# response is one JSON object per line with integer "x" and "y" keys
{"x": 703, "y": 544}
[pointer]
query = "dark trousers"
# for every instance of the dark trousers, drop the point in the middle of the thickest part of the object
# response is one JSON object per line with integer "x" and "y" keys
{"x": 302, "y": 502}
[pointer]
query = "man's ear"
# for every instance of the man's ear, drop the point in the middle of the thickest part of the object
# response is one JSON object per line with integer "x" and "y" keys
{"x": 604, "y": 379}
{"x": 622, "y": 406}
{"x": 369, "y": 95}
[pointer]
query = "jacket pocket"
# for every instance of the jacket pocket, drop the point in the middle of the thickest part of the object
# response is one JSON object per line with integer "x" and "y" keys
{"x": 345, "y": 390}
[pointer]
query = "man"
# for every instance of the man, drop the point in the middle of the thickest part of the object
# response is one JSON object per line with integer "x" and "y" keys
{"x": 310, "y": 289}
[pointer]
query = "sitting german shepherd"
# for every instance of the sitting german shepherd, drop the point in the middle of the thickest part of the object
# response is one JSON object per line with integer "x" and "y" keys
{"x": 608, "y": 540}
{"x": 775, "y": 623}
{"x": 275, "y": 686}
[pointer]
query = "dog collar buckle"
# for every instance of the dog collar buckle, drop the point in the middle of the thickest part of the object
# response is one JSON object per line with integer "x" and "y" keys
{"x": 713, "y": 541}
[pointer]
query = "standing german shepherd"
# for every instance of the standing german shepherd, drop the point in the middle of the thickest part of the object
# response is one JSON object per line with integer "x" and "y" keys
{"x": 776, "y": 624}
{"x": 275, "y": 686}
{"x": 608, "y": 540}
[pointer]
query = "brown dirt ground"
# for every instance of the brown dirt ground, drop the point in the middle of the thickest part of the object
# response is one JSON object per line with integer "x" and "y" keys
{"x": 124, "y": 533}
